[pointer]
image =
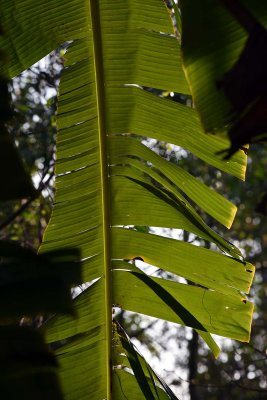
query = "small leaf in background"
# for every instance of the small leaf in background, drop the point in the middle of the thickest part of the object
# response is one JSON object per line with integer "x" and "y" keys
{"x": 14, "y": 181}
{"x": 32, "y": 283}
{"x": 28, "y": 368}
{"x": 245, "y": 85}
{"x": 250, "y": 128}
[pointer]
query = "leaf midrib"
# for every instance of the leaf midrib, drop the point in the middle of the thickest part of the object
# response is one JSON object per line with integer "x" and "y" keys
{"x": 100, "y": 102}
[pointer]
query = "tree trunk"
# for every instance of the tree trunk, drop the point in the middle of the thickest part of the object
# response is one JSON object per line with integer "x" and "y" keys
{"x": 192, "y": 365}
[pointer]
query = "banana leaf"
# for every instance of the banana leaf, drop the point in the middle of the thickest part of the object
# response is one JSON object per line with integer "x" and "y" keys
{"x": 107, "y": 181}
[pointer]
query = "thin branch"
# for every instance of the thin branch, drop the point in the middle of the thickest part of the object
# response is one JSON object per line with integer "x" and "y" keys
{"x": 261, "y": 352}
{"x": 242, "y": 386}
{"x": 259, "y": 390}
{"x": 24, "y": 206}
{"x": 219, "y": 386}
{"x": 242, "y": 15}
